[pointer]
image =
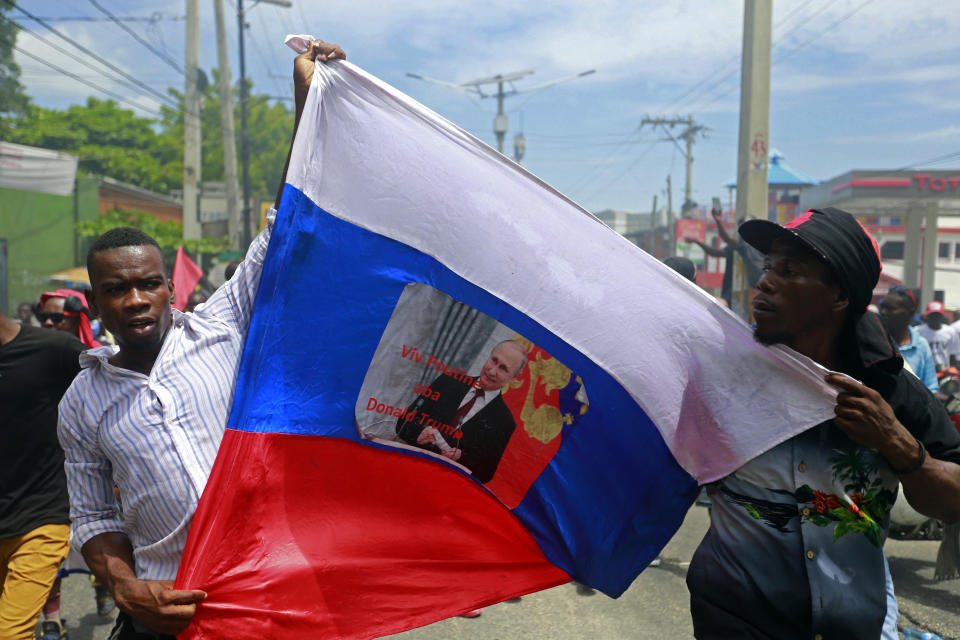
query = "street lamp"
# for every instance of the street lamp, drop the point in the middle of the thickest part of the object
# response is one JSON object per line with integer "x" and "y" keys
{"x": 244, "y": 142}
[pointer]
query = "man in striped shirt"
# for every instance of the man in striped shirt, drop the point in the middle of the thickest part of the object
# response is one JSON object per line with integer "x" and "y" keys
{"x": 149, "y": 414}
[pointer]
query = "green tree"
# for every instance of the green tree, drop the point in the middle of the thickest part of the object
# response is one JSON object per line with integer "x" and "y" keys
{"x": 109, "y": 141}
{"x": 269, "y": 129}
{"x": 114, "y": 142}
{"x": 12, "y": 97}
{"x": 168, "y": 234}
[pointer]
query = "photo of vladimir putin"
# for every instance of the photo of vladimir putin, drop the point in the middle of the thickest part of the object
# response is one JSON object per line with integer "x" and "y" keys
{"x": 475, "y": 424}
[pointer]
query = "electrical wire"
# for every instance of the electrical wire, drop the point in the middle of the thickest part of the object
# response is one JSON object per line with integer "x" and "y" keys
{"x": 86, "y": 82}
{"x": 597, "y": 169}
{"x": 736, "y": 59}
{"x": 163, "y": 56}
{"x": 701, "y": 95}
{"x": 129, "y": 78}
{"x": 929, "y": 161}
{"x": 263, "y": 62}
{"x": 819, "y": 35}
{"x": 716, "y": 82}
{"x": 620, "y": 176}
{"x": 153, "y": 18}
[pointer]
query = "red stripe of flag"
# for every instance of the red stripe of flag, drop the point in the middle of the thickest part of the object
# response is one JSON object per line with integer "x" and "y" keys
{"x": 327, "y": 538}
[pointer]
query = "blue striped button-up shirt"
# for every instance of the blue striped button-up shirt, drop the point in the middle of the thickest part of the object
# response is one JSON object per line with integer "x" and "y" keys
{"x": 156, "y": 436}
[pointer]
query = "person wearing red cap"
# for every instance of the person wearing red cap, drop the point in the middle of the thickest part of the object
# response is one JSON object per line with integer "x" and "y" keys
{"x": 944, "y": 340}
{"x": 66, "y": 310}
{"x": 795, "y": 545}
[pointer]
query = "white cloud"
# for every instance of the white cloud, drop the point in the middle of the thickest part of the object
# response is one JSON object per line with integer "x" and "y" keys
{"x": 800, "y": 82}
{"x": 934, "y": 135}
{"x": 48, "y": 86}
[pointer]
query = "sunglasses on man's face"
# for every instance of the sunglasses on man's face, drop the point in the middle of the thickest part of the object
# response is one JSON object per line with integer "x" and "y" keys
{"x": 55, "y": 318}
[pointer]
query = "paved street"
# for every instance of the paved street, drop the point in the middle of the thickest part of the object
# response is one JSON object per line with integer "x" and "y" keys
{"x": 655, "y": 606}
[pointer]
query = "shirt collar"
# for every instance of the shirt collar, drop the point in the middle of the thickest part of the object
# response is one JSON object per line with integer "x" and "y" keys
{"x": 872, "y": 346}
{"x": 98, "y": 356}
{"x": 913, "y": 340}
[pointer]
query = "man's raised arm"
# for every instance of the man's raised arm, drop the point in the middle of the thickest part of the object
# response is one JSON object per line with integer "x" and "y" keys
{"x": 302, "y": 75}
{"x": 234, "y": 299}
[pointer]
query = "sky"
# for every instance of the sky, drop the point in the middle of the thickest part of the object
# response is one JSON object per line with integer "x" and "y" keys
{"x": 856, "y": 84}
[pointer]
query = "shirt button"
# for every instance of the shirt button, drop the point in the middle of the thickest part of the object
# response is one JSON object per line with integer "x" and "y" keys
{"x": 801, "y": 467}
{"x": 810, "y": 555}
{"x": 806, "y": 513}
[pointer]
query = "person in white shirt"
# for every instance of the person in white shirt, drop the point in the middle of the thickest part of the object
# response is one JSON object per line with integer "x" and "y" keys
{"x": 944, "y": 340}
{"x": 148, "y": 415}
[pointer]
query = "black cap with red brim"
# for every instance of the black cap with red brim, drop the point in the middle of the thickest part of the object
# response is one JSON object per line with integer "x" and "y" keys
{"x": 837, "y": 238}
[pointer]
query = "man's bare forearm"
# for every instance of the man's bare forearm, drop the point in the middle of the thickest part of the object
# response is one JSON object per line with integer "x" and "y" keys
{"x": 302, "y": 74}
{"x": 710, "y": 251}
{"x": 934, "y": 489}
{"x": 725, "y": 235}
{"x": 110, "y": 557}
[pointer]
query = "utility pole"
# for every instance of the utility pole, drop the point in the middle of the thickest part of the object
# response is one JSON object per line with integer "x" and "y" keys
{"x": 500, "y": 121}
{"x": 244, "y": 139}
{"x": 234, "y": 222}
{"x": 519, "y": 143}
{"x": 652, "y": 245}
{"x": 244, "y": 135}
{"x": 689, "y": 134}
{"x": 754, "y": 110}
{"x": 191, "y": 128}
{"x": 671, "y": 226}
{"x": 500, "y": 124}
{"x": 752, "y": 156}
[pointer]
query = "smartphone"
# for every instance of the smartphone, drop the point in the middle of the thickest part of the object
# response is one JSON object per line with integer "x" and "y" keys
{"x": 717, "y": 205}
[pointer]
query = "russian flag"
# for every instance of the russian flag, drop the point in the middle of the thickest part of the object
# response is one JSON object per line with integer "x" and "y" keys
{"x": 410, "y": 264}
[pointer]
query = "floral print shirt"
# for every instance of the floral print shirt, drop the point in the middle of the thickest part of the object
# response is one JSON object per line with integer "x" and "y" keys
{"x": 795, "y": 543}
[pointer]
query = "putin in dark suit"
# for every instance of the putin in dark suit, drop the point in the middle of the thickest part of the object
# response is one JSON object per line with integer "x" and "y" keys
{"x": 468, "y": 422}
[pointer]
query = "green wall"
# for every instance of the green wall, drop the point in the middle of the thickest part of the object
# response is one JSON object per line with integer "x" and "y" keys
{"x": 40, "y": 235}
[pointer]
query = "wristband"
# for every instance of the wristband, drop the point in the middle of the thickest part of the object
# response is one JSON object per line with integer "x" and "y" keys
{"x": 916, "y": 467}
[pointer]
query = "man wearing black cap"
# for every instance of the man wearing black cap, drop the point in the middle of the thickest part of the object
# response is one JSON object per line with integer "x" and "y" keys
{"x": 795, "y": 543}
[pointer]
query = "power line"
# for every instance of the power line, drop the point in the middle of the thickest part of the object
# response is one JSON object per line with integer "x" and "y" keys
{"x": 820, "y": 34}
{"x": 619, "y": 176}
{"x": 287, "y": 20}
{"x": 591, "y": 175}
{"x": 156, "y": 17}
{"x": 163, "y": 56}
{"x": 934, "y": 160}
{"x": 734, "y": 59}
{"x": 575, "y": 136}
{"x": 700, "y": 95}
{"x": 86, "y": 82}
{"x": 823, "y": 31}
{"x": 263, "y": 62}
{"x": 93, "y": 55}
{"x": 97, "y": 71}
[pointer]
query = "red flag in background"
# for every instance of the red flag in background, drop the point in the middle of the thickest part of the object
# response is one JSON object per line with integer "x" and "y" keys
{"x": 186, "y": 275}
